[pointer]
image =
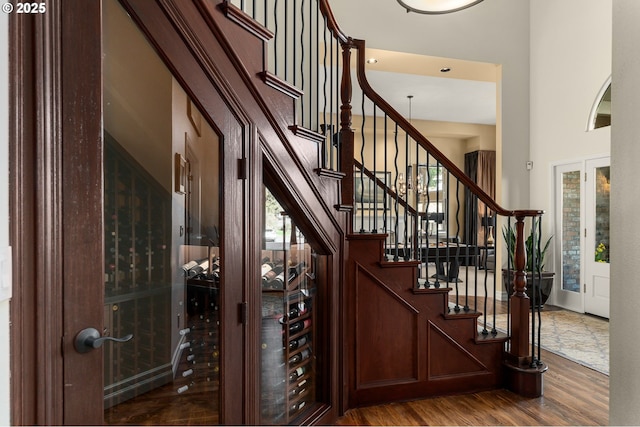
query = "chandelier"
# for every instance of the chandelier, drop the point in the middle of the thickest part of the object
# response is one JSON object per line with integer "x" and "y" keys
{"x": 435, "y": 7}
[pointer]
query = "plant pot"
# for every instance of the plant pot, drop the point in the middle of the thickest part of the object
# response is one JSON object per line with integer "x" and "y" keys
{"x": 546, "y": 284}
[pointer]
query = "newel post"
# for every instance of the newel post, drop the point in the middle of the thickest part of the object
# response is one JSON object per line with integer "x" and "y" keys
{"x": 346, "y": 134}
{"x": 522, "y": 376}
{"x": 519, "y": 299}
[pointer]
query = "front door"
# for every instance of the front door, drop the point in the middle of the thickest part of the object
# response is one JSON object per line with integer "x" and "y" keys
{"x": 598, "y": 189}
{"x": 569, "y": 237}
{"x": 151, "y": 291}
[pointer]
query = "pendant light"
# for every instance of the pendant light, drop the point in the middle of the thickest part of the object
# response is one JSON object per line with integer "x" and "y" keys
{"x": 436, "y": 7}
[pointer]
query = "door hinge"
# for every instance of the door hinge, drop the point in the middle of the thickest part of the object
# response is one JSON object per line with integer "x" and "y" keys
{"x": 242, "y": 313}
{"x": 585, "y": 177}
{"x": 242, "y": 168}
{"x": 585, "y": 288}
{"x": 585, "y": 232}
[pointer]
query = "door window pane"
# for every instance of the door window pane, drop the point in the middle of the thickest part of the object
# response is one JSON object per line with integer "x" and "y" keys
{"x": 571, "y": 231}
{"x": 603, "y": 189}
{"x": 162, "y": 256}
{"x": 290, "y": 339}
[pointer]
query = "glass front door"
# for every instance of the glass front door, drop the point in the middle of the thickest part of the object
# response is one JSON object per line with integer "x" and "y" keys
{"x": 597, "y": 282}
{"x": 161, "y": 242}
{"x": 569, "y": 243}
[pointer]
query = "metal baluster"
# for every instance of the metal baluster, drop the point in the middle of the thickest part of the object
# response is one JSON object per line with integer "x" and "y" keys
{"x": 302, "y": 28}
{"x": 330, "y": 101}
{"x": 539, "y": 289}
{"x": 338, "y": 141}
{"x": 510, "y": 250}
{"x": 467, "y": 227}
{"x": 486, "y": 289}
{"x": 275, "y": 38}
{"x": 438, "y": 264}
{"x": 395, "y": 185}
{"x": 311, "y": 104}
{"x": 375, "y": 183}
{"x": 494, "y": 218}
{"x": 362, "y": 166}
{"x": 426, "y": 265}
{"x": 407, "y": 180}
{"x": 324, "y": 100}
{"x": 534, "y": 285}
{"x": 466, "y": 264}
{"x": 386, "y": 184}
{"x": 475, "y": 243}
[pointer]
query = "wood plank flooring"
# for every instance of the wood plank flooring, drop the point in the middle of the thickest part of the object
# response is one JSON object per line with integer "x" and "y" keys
{"x": 573, "y": 395}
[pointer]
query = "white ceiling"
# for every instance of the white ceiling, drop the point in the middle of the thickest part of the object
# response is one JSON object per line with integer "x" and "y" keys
{"x": 466, "y": 94}
{"x": 434, "y": 98}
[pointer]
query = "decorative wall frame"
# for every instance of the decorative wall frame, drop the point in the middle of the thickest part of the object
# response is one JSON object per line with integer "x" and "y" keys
{"x": 180, "y": 174}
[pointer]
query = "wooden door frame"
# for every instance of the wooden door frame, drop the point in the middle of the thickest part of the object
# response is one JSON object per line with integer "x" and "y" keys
{"x": 46, "y": 195}
{"x": 55, "y": 195}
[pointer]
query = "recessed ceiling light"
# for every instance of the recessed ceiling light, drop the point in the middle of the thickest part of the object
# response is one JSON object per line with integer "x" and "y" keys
{"x": 445, "y": 69}
{"x": 372, "y": 61}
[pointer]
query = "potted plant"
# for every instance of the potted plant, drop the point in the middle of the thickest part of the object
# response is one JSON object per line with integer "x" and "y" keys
{"x": 545, "y": 284}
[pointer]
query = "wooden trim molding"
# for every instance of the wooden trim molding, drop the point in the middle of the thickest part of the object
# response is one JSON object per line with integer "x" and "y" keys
{"x": 35, "y": 209}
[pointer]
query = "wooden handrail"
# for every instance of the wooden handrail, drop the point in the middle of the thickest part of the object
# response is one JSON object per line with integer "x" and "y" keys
{"x": 389, "y": 191}
{"x": 331, "y": 22}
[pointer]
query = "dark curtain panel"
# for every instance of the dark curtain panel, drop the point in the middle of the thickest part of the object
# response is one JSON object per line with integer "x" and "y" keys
{"x": 480, "y": 166}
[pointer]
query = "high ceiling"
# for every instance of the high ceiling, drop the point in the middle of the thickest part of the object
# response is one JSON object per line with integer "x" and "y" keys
{"x": 467, "y": 93}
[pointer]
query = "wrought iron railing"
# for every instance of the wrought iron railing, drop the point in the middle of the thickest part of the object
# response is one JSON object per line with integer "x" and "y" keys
{"x": 398, "y": 183}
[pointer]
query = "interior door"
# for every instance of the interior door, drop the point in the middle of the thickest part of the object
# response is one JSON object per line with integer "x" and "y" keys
{"x": 597, "y": 281}
{"x": 152, "y": 332}
{"x": 569, "y": 238}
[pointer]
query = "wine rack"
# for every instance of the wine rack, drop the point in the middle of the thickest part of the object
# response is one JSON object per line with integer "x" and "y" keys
{"x": 289, "y": 334}
{"x": 199, "y": 368}
{"x": 137, "y": 220}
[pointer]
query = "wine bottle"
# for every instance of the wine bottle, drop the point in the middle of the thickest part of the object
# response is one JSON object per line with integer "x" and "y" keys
{"x": 271, "y": 274}
{"x": 299, "y": 325}
{"x": 299, "y": 389}
{"x": 277, "y": 282}
{"x": 299, "y": 357}
{"x": 293, "y": 344}
{"x": 266, "y": 267}
{"x": 297, "y": 406}
{"x": 299, "y": 372}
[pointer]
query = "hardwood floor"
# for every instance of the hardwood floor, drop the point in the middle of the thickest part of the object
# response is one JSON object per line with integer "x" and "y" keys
{"x": 573, "y": 395}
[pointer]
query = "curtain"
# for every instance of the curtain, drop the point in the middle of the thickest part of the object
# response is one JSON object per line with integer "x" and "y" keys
{"x": 480, "y": 166}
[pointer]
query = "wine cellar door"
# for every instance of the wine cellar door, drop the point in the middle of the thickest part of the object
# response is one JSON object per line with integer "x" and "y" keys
{"x": 162, "y": 323}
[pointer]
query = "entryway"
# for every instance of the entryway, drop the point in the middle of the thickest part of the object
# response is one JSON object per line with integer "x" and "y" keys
{"x": 582, "y": 230}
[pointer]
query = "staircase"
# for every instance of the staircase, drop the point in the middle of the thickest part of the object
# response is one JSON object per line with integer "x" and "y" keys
{"x": 416, "y": 228}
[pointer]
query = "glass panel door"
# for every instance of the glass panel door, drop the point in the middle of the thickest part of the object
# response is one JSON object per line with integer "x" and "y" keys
{"x": 162, "y": 256}
{"x": 290, "y": 340}
{"x": 568, "y": 227}
{"x": 597, "y": 282}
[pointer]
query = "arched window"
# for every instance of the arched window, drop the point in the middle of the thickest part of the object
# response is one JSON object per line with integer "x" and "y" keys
{"x": 600, "y": 115}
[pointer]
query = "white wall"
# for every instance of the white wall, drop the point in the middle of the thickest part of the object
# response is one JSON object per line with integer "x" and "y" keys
{"x": 570, "y": 61}
{"x": 624, "y": 386}
{"x": 5, "y": 413}
{"x": 495, "y": 31}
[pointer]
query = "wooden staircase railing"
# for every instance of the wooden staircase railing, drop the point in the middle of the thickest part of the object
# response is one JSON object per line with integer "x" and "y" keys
{"x": 398, "y": 183}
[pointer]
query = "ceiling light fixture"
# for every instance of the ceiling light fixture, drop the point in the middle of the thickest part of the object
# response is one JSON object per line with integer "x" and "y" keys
{"x": 445, "y": 69}
{"x": 372, "y": 61}
{"x": 436, "y": 7}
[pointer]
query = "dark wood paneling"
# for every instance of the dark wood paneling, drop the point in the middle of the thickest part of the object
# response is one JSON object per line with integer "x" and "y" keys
{"x": 404, "y": 344}
{"x": 82, "y": 204}
{"x": 387, "y": 338}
